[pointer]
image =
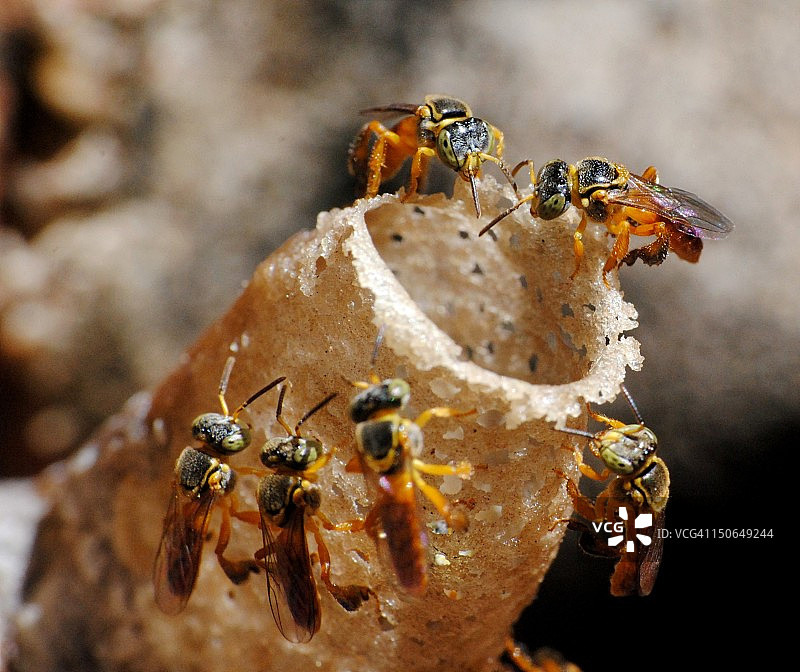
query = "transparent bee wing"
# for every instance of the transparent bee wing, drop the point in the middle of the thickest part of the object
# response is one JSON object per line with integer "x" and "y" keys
{"x": 178, "y": 559}
{"x": 401, "y": 540}
{"x": 686, "y": 210}
{"x": 291, "y": 588}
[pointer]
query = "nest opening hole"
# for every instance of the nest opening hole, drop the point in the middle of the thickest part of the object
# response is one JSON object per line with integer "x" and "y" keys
{"x": 501, "y": 300}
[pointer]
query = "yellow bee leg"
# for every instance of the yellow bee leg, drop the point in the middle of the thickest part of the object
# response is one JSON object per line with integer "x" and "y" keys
{"x": 354, "y": 525}
{"x": 377, "y": 157}
{"x": 440, "y": 412}
{"x": 237, "y": 571}
{"x": 321, "y": 461}
{"x": 618, "y": 252}
{"x": 350, "y": 597}
{"x": 529, "y": 163}
{"x": 499, "y": 141}
{"x": 439, "y": 501}
{"x": 419, "y": 168}
{"x": 577, "y": 244}
{"x": 616, "y": 424}
{"x": 650, "y": 174}
{"x": 462, "y": 469}
{"x": 583, "y": 505}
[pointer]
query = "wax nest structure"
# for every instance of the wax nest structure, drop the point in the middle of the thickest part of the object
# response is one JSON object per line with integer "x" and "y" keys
{"x": 493, "y": 324}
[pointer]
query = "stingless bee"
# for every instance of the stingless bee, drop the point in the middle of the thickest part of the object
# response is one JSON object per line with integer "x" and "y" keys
{"x": 627, "y": 204}
{"x": 202, "y": 482}
{"x": 289, "y": 501}
{"x": 389, "y": 447}
{"x": 443, "y": 126}
{"x": 637, "y": 493}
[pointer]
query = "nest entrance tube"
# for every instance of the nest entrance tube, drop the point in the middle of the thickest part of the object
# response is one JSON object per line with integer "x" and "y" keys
{"x": 509, "y": 310}
{"x": 495, "y": 325}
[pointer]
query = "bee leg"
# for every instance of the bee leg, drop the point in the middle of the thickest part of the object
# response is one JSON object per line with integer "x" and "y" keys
{"x": 355, "y": 525}
{"x": 249, "y": 471}
{"x": 321, "y": 461}
{"x": 236, "y": 571}
{"x": 499, "y": 141}
{"x": 589, "y": 472}
{"x": 650, "y": 175}
{"x": 586, "y": 469}
{"x": 577, "y": 244}
{"x": 685, "y": 246}
{"x": 387, "y": 155}
{"x": 654, "y": 253}
{"x": 358, "y": 156}
{"x": 440, "y": 412}
{"x": 584, "y": 506}
{"x": 518, "y": 655}
{"x": 618, "y": 251}
{"x": 354, "y": 465}
{"x": 372, "y": 523}
{"x": 543, "y": 660}
{"x": 462, "y": 469}
{"x": 607, "y": 507}
{"x": 419, "y": 169}
{"x": 454, "y": 520}
{"x": 351, "y": 597}
{"x": 249, "y": 517}
{"x": 615, "y": 424}
{"x": 531, "y": 169}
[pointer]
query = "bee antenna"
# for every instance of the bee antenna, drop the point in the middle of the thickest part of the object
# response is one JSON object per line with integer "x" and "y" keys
{"x": 226, "y": 374}
{"x": 502, "y": 216}
{"x": 632, "y": 404}
{"x": 223, "y": 383}
{"x": 378, "y": 343}
{"x": 255, "y": 396}
{"x": 509, "y": 177}
{"x": 320, "y": 405}
{"x": 576, "y": 432}
{"x": 279, "y": 411}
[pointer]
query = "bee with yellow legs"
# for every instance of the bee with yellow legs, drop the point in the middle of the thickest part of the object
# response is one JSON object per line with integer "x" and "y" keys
{"x": 389, "y": 447}
{"x": 639, "y": 486}
{"x": 202, "y": 483}
{"x": 627, "y": 204}
{"x": 443, "y": 126}
{"x": 289, "y": 501}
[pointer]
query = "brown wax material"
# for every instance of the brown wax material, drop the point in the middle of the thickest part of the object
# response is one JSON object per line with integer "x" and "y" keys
{"x": 491, "y": 324}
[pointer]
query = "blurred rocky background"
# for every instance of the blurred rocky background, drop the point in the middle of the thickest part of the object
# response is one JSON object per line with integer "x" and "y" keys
{"x": 152, "y": 152}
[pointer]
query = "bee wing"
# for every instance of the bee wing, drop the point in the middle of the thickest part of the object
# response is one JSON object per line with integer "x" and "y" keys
{"x": 636, "y": 572}
{"x": 402, "y": 541}
{"x": 178, "y": 557}
{"x": 393, "y": 108}
{"x": 650, "y": 558}
{"x": 686, "y": 210}
{"x": 291, "y": 588}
